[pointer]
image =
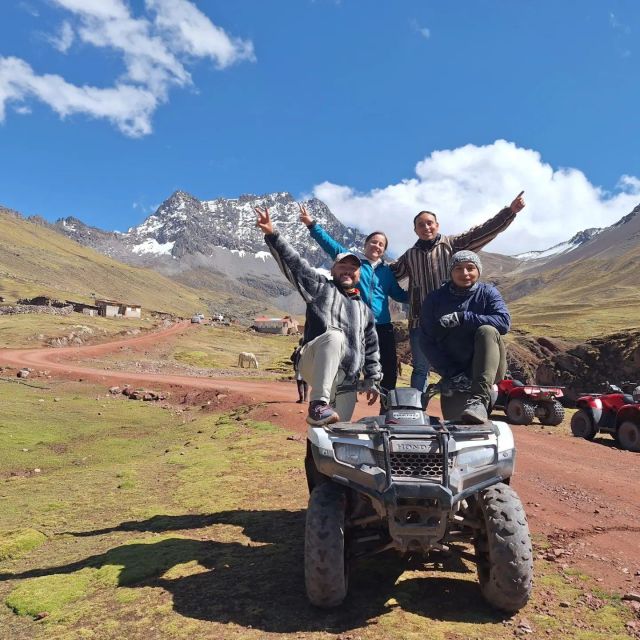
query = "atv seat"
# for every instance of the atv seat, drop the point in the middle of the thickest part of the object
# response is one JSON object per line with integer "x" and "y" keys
{"x": 628, "y": 398}
{"x": 403, "y": 398}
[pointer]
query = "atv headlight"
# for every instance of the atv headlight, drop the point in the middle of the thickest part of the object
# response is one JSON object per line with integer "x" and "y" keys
{"x": 477, "y": 457}
{"x": 353, "y": 454}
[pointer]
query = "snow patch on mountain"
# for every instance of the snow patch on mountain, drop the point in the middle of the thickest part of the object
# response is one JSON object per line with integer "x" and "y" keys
{"x": 582, "y": 237}
{"x": 151, "y": 245}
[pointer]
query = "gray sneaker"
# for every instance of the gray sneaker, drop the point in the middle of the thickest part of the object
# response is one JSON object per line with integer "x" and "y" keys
{"x": 474, "y": 412}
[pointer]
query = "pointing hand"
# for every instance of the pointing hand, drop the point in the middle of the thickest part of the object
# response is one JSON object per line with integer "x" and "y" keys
{"x": 518, "y": 203}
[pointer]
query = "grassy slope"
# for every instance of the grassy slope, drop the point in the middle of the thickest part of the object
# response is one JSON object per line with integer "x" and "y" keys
{"x": 585, "y": 299}
{"x": 35, "y": 330}
{"x": 35, "y": 260}
{"x": 190, "y": 525}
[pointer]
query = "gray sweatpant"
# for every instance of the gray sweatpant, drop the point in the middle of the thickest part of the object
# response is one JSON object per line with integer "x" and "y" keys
{"x": 320, "y": 366}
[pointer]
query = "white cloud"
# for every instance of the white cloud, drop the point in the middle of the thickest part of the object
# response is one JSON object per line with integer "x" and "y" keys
{"x": 617, "y": 25}
{"x": 64, "y": 39}
{"x": 155, "y": 49}
{"x": 191, "y": 32}
{"x": 128, "y": 107}
{"x": 29, "y": 8}
{"x": 423, "y": 31}
{"x": 467, "y": 185}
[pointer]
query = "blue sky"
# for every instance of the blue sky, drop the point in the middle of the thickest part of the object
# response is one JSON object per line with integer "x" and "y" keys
{"x": 379, "y": 108}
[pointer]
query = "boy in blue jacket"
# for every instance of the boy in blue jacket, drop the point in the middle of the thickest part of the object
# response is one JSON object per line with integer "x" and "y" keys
{"x": 462, "y": 326}
{"x": 377, "y": 285}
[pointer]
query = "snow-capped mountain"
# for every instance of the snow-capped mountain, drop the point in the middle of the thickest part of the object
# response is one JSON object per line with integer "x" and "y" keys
{"x": 216, "y": 244}
{"x": 185, "y": 226}
{"x": 563, "y": 247}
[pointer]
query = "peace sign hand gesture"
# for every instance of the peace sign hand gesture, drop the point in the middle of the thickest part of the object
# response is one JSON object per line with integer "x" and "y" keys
{"x": 305, "y": 218}
{"x": 264, "y": 220}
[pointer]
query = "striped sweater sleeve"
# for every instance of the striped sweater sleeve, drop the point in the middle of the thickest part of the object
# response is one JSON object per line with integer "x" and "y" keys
{"x": 483, "y": 234}
{"x": 294, "y": 268}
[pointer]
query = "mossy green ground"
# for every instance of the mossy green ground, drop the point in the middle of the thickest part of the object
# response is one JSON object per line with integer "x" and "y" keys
{"x": 157, "y": 523}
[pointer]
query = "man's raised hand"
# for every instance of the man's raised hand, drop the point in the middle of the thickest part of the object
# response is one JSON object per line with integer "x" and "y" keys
{"x": 518, "y": 203}
{"x": 305, "y": 218}
{"x": 264, "y": 220}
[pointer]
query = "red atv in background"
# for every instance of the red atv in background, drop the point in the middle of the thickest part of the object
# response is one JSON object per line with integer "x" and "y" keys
{"x": 614, "y": 412}
{"x": 524, "y": 402}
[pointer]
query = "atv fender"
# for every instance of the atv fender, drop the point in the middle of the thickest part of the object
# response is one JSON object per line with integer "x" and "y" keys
{"x": 592, "y": 409}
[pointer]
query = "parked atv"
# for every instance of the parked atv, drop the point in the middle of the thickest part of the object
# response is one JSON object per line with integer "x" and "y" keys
{"x": 524, "y": 402}
{"x": 614, "y": 412}
{"x": 410, "y": 482}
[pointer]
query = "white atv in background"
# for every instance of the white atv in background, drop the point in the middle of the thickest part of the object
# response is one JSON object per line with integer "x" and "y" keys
{"x": 413, "y": 483}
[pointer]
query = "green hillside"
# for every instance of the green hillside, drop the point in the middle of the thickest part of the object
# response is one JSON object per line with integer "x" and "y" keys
{"x": 587, "y": 298}
{"x": 35, "y": 260}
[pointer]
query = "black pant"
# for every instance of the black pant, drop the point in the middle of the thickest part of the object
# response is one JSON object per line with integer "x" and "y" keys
{"x": 303, "y": 390}
{"x": 388, "y": 357}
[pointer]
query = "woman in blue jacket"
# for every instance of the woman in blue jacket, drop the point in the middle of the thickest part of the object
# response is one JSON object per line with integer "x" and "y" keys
{"x": 462, "y": 327}
{"x": 377, "y": 284}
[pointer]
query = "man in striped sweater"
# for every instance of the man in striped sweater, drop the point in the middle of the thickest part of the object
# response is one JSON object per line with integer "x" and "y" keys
{"x": 340, "y": 339}
{"x": 426, "y": 264}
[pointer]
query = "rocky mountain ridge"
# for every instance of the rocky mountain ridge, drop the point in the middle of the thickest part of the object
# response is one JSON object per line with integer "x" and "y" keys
{"x": 185, "y": 226}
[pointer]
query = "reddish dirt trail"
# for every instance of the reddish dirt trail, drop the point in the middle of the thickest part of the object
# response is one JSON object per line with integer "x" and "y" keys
{"x": 56, "y": 361}
{"x": 585, "y": 496}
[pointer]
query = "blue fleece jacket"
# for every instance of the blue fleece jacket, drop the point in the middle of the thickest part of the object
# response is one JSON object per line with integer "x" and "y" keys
{"x": 450, "y": 351}
{"x": 376, "y": 284}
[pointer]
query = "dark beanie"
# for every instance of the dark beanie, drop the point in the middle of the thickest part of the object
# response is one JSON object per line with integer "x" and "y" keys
{"x": 465, "y": 256}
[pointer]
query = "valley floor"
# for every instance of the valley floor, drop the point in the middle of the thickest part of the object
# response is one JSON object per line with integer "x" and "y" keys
{"x": 582, "y": 500}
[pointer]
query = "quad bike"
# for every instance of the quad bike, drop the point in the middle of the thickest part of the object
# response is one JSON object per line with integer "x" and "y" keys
{"x": 524, "y": 402}
{"x": 614, "y": 412}
{"x": 413, "y": 483}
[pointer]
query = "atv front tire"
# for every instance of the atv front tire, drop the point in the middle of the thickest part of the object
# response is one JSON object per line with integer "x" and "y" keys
{"x": 325, "y": 566}
{"x": 552, "y": 413}
{"x": 503, "y": 549}
{"x": 582, "y": 425}
{"x": 628, "y": 436}
{"x": 520, "y": 411}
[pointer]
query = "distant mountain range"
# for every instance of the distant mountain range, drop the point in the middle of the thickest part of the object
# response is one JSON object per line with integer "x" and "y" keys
{"x": 184, "y": 226}
{"x": 575, "y": 306}
{"x": 578, "y": 240}
{"x": 191, "y": 240}
{"x": 196, "y": 241}
{"x": 214, "y": 245}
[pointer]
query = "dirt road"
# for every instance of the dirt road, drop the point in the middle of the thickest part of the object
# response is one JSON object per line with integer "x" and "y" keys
{"x": 582, "y": 496}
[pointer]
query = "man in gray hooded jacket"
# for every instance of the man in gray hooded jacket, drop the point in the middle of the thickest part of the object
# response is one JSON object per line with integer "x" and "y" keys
{"x": 340, "y": 339}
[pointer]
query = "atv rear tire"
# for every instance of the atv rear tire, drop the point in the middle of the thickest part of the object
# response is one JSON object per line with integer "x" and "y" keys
{"x": 325, "y": 566}
{"x": 503, "y": 549}
{"x": 628, "y": 436}
{"x": 520, "y": 411}
{"x": 582, "y": 425}
{"x": 552, "y": 413}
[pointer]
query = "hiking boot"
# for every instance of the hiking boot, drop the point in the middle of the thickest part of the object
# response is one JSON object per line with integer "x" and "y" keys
{"x": 460, "y": 383}
{"x": 474, "y": 412}
{"x": 321, "y": 413}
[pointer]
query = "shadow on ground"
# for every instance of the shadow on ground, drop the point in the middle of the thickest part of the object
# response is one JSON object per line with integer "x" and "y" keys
{"x": 261, "y": 584}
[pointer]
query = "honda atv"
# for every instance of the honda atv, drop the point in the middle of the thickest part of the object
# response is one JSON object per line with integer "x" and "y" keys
{"x": 614, "y": 412}
{"x": 524, "y": 402}
{"x": 413, "y": 483}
